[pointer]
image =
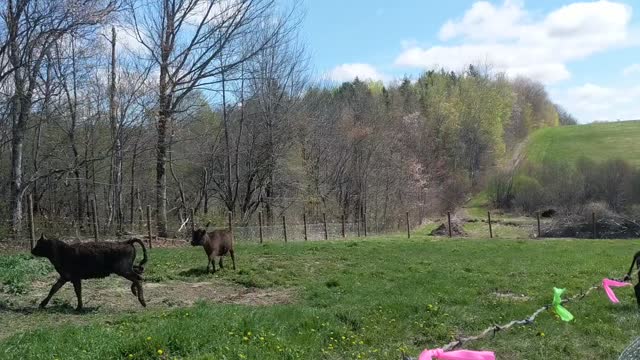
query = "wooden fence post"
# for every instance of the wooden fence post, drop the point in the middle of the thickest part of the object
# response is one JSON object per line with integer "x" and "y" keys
{"x": 304, "y": 220}
{"x": 260, "y": 225}
{"x": 408, "y": 226}
{"x": 449, "y": 222}
{"x": 324, "y": 219}
{"x": 538, "y": 217}
{"x": 149, "y": 225}
{"x": 284, "y": 227}
{"x": 358, "y": 224}
{"x": 364, "y": 223}
{"x": 343, "y": 220}
{"x": 490, "y": 229}
{"x": 593, "y": 221}
{"x": 32, "y": 229}
{"x": 140, "y": 226}
{"x": 95, "y": 219}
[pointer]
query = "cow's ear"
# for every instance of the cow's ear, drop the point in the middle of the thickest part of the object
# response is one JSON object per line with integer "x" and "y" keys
{"x": 42, "y": 238}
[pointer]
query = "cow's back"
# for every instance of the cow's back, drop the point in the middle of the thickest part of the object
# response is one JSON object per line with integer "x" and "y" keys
{"x": 96, "y": 260}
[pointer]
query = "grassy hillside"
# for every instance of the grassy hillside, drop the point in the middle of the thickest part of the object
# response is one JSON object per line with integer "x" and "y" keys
{"x": 596, "y": 141}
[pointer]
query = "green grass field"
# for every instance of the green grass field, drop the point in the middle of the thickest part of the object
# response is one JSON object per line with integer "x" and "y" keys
{"x": 367, "y": 299}
{"x": 595, "y": 141}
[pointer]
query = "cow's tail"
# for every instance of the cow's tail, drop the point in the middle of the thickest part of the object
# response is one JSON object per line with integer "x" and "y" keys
{"x": 140, "y": 267}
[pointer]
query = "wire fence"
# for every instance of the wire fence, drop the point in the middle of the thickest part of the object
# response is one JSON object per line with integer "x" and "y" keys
{"x": 179, "y": 232}
{"x": 288, "y": 229}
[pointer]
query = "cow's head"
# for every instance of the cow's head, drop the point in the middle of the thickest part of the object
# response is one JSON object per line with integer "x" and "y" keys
{"x": 198, "y": 236}
{"x": 43, "y": 247}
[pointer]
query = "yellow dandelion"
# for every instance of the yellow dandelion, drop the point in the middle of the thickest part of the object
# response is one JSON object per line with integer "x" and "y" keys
{"x": 148, "y": 338}
{"x": 160, "y": 352}
{"x": 130, "y": 356}
{"x": 245, "y": 338}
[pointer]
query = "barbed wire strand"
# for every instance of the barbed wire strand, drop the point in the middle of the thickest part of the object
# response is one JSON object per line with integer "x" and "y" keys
{"x": 492, "y": 330}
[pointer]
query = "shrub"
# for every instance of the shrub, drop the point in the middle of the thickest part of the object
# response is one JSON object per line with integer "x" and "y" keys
{"x": 528, "y": 193}
{"x": 500, "y": 189}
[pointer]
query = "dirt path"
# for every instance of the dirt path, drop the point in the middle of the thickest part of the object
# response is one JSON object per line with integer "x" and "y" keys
{"x": 112, "y": 296}
{"x": 518, "y": 154}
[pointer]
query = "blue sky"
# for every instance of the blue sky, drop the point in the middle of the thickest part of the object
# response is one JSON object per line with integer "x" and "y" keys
{"x": 586, "y": 53}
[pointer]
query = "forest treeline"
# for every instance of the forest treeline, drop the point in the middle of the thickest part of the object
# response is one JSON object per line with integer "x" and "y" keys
{"x": 211, "y": 106}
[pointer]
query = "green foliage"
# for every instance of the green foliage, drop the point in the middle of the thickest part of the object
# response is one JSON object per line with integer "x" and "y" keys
{"x": 572, "y": 185}
{"x": 18, "y": 271}
{"x": 500, "y": 189}
{"x": 529, "y": 194}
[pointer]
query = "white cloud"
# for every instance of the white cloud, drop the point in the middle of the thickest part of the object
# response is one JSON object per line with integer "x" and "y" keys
{"x": 484, "y": 21}
{"x": 512, "y": 40}
{"x": 348, "y": 72}
{"x": 631, "y": 69}
{"x": 591, "y": 102}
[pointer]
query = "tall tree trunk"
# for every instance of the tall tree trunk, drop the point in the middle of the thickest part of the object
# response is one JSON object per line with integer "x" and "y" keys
{"x": 205, "y": 190}
{"x": 133, "y": 182}
{"x": 164, "y": 116}
{"x": 161, "y": 179}
{"x": 116, "y": 179}
{"x": 76, "y": 154}
{"x": 18, "y": 125}
{"x": 225, "y": 120}
{"x": 17, "y": 132}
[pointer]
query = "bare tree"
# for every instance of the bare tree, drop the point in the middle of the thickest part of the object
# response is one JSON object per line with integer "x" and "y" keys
{"x": 183, "y": 39}
{"x": 32, "y": 28}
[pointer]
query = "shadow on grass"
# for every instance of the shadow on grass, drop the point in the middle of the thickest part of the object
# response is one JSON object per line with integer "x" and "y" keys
{"x": 51, "y": 309}
{"x": 196, "y": 272}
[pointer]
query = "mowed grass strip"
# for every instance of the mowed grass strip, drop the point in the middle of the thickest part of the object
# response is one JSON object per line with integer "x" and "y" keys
{"x": 598, "y": 142}
{"x": 368, "y": 299}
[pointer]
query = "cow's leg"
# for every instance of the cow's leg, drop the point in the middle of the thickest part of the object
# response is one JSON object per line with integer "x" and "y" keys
{"x": 136, "y": 286}
{"x": 54, "y": 289}
{"x": 637, "y": 289}
{"x": 233, "y": 258}
{"x": 77, "y": 286}
{"x": 220, "y": 262}
{"x": 212, "y": 260}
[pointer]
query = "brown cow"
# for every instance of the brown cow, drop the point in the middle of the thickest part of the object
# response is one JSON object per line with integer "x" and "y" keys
{"x": 215, "y": 243}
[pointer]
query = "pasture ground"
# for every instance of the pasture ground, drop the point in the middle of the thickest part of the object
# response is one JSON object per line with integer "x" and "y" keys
{"x": 365, "y": 299}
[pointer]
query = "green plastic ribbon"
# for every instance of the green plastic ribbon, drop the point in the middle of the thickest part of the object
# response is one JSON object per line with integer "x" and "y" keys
{"x": 564, "y": 314}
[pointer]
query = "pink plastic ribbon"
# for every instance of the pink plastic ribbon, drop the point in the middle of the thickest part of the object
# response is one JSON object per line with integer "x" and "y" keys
{"x": 456, "y": 355}
{"x": 607, "y": 284}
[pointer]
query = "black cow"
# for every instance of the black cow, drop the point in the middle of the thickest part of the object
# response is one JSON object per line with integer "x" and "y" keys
{"x": 76, "y": 262}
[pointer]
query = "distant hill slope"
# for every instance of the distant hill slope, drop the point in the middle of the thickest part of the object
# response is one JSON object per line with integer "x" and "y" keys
{"x": 599, "y": 142}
